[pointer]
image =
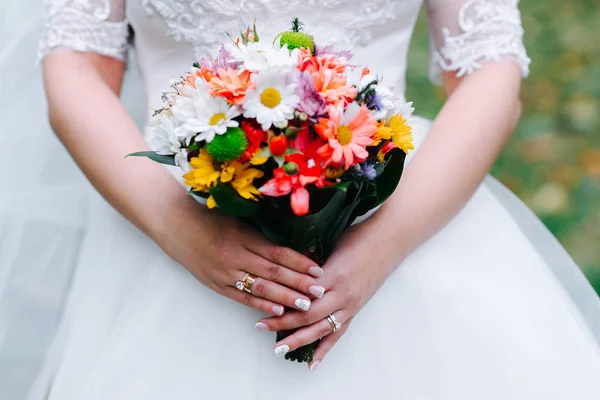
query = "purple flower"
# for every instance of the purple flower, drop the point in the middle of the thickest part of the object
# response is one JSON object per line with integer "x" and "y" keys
{"x": 224, "y": 60}
{"x": 320, "y": 50}
{"x": 310, "y": 102}
{"x": 367, "y": 169}
{"x": 373, "y": 101}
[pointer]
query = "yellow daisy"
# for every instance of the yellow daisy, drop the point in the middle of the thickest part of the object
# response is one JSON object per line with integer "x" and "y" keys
{"x": 401, "y": 133}
{"x": 204, "y": 176}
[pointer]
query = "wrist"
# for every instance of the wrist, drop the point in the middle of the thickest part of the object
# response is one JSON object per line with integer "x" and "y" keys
{"x": 180, "y": 215}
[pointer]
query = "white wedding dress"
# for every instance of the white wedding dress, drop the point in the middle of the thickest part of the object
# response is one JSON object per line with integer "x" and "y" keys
{"x": 489, "y": 308}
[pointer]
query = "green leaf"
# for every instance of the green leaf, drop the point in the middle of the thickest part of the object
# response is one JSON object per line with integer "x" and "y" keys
{"x": 387, "y": 182}
{"x": 202, "y": 195}
{"x": 159, "y": 158}
{"x": 317, "y": 232}
{"x": 230, "y": 202}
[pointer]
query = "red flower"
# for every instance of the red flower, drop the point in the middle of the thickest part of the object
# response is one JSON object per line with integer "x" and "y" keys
{"x": 256, "y": 137}
{"x": 295, "y": 183}
{"x": 278, "y": 145}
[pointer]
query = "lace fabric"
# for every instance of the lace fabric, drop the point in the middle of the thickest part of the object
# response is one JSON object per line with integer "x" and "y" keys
{"x": 203, "y": 23}
{"x": 468, "y": 33}
{"x": 98, "y": 26}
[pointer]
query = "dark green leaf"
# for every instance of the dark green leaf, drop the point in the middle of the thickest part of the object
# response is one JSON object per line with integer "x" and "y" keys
{"x": 202, "y": 195}
{"x": 387, "y": 182}
{"x": 230, "y": 202}
{"x": 159, "y": 158}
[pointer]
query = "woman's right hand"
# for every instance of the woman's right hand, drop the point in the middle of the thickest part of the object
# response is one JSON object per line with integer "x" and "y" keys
{"x": 220, "y": 250}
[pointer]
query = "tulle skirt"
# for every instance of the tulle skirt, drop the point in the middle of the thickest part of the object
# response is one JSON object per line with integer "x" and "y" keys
{"x": 490, "y": 308}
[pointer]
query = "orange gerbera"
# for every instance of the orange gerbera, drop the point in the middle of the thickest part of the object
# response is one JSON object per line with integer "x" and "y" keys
{"x": 347, "y": 134}
{"x": 203, "y": 72}
{"x": 332, "y": 87}
{"x": 306, "y": 62}
{"x": 231, "y": 84}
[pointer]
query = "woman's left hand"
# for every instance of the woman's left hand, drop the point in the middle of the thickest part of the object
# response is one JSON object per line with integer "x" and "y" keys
{"x": 352, "y": 274}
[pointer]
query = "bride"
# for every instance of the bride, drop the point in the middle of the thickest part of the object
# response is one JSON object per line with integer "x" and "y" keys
{"x": 451, "y": 290}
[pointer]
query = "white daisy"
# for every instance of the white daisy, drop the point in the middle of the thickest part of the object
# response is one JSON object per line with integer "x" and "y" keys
{"x": 182, "y": 162}
{"x": 405, "y": 109}
{"x": 203, "y": 116}
{"x": 259, "y": 56}
{"x": 163, "y": 139}
{"x": 272, "y": 101}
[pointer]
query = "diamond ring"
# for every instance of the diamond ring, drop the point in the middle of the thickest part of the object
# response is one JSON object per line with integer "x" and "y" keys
{"x": 245, "y": 284}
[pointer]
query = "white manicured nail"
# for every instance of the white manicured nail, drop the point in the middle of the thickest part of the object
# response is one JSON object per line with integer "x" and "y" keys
{"x": 302, "y": 304}
{"x": 282, "y": 350}
{"x": 317, "y": 272}
{"x": 261, "y": 326}
{"x": 316, "y": 290}
{"x": 315, "y": 365}
{"x": 277, "y": 310}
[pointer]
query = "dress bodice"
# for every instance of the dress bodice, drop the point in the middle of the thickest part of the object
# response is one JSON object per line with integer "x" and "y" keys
{"x": 169, "y": 35}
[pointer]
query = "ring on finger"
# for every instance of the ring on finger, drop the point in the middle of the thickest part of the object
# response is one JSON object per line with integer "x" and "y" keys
{"x": 335, "y": 325}
{"x": 245, "y": 284}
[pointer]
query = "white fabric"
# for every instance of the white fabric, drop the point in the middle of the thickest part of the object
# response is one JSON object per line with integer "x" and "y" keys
{"x": 86, "y": 25}
{"x": 490, "y": 308}
{"x": 468, "y": 33}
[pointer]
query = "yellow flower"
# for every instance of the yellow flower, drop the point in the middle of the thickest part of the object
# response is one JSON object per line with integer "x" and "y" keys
{"x": 401, "y": 133}
{"x": 243, "y": 182}
{"x": 383, "y": 132}
{"x": 211, "y": 203}
{"x": 257, "y": 159}
{"x": 203, "y": 176}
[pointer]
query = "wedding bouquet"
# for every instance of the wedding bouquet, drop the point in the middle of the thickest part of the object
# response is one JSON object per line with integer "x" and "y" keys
{"x": 287, "y": 135}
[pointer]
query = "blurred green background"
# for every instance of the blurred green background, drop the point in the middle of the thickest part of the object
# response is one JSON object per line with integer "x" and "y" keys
{"x": 553, "y": 160}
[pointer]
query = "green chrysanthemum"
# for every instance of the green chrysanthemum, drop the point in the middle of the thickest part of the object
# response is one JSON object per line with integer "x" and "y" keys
{"x": 295, "y": 39}
{"x": 229, "y": 146}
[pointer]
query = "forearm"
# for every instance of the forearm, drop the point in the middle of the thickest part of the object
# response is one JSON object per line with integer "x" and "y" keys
{"x": 465, "y": 140}
{"x": 88, "y": 118}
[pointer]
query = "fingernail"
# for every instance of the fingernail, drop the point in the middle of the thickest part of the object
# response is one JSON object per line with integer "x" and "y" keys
{"x": 261, "y": 326}
{"x": 302, "y": 304}
{"x": 316, "y": 290}
{"x": 282, "y": 350}
{"x": 317, "y": 272}
{"x": 314, "y": 365}
{"x": 277, "y": 310}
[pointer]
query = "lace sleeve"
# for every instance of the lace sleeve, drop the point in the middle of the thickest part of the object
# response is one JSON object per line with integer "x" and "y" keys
{"x": 467, "y": 33}
{"x": 86, "y": 25}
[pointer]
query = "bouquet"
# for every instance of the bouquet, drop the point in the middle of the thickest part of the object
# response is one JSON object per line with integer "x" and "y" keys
{"x": 287, "y": 135}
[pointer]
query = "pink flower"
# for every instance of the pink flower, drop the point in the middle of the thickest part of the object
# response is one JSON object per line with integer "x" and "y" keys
{"x": 294, "y": 182}
{"x": 347, "y": 133}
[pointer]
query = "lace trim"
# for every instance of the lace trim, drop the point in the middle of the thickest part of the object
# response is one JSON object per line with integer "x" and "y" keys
{"x": 202, "y": 23}
{"x": 490, "y": 30}
{"x": 82, "y": 30}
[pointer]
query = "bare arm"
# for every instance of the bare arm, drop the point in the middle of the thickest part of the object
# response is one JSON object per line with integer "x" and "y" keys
{"x": 85, "y": 113}
{"x": 466, "y": 138}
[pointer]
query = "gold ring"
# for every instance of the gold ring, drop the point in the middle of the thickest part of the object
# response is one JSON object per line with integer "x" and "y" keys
{"x": 245, "y": 284}
{"x": 335, "y": 325}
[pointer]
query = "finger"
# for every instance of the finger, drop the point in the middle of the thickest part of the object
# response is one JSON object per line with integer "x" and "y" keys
{"x": 285, "y": 276}
{"x": 287, "y": 257}
{"x": 308, "y": 334}
{"x": 252, "y": 301}
{"x": 295, "y": 319}
{"x": 280, "y": 294}
{"x": 327, "y": 344}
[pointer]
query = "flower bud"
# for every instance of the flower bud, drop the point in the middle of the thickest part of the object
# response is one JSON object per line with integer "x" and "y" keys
{"x": 292, "y": 132}
{"x": 291, "y": 168}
